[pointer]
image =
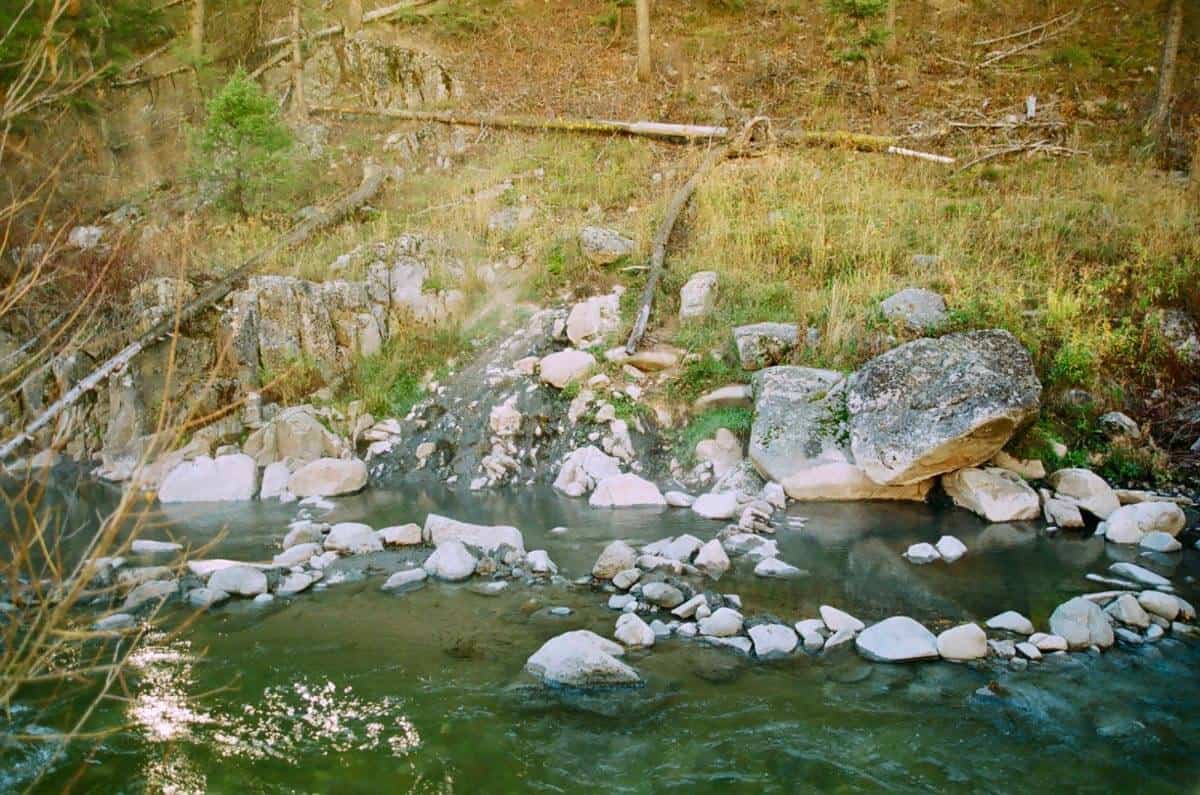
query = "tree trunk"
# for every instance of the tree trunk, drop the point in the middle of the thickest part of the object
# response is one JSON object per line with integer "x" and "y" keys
{"x": 197, "y": 35}
{"x": 298, "y": 108}
{"x": 889, "y": 23}
{"x": 354, "y": 17}
{"x": 1156, "y": 122}
{"x": 643, "y": 37}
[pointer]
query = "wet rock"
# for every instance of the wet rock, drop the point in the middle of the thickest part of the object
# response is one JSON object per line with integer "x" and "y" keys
{"x": 561, "y": 368}
{"x": 275, "y": 481}
{"x": 223, "y": 479}
{"x": 723, "y": 623}
{"x": 838, "y": 620}
{"x": 328, "y": 477}
{"x": 581, "y": 659}
{"x": 712, "y": 560}
{"x": 1157, "y": 541}
{"x": 933, "y": 406}
{"x": 485, "y": 538}
{"x": 716, "y": 506}
{"x": 1139, "y": 574}
{"x": 1005, "y": 649}
{"x": 1061, "y": 512}
{"x": 689, "y": 608}
{"x": 917, "y": 308}
{"x": 540, "y": 564}
{"x": 296, "y": 555}
{"x": 680, "y": 548}
{"x": 661, "y": 594}
{"x": 405, "y": 580}
{"x": 1160, "y": 604}
{"x": 897, "y": 639}
{"x": 239, "y": 581}
{"x": 1048, "y": 643}
{"x": 1028, "y": 651}
{"x": 604, "y": 246}
{"x": 921, "y": 554}
{"x": 206, "y": 597}
{"x": 352, "y": 538}
{"x": 617, "y": 557}
{"x": 295, "y": 583}
{"x": 798, "y": 439}
{"x": 583, "y": 469}
{"x": 698, "y": 296}
{"x": 1087, "y": 489}
{"x": 625, "y": 491}
{"x": 772, "y": 640}
{"x": 400, "y": 535}
{"x": 1011, "y": 621}
{"x": 762, "y": 345}
{"x": 143, "y": 546}
{"x": 950, "y": 548}
{"x": 1130, "y": 523}
{"x": 774, "y": 567}
{"x": 965, "y": 642}
{"x": 1082, "y": 623}
{"x": 304, "y": 532}
{"x": 996, "y": 494}
{"x": 451, "y": 562}
{"x": 1126, "y": 609}
{"x": 633, "y": 631}
{"x": 620, "y": 601}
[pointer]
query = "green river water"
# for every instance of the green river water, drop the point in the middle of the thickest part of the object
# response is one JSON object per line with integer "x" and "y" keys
{"x": 351, "y": 690}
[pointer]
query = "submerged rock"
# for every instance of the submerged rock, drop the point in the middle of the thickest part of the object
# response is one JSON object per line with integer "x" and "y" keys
{"x": 897, "y": 639}
{"x": 934, "y": 406}
{"x": 405, "y": 580}
{"x": 581, "y": 659}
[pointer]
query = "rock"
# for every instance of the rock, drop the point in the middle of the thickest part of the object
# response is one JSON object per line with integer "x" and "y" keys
{"x": 764, "y": 344}
{"x": 633, "y": 631}
{"x": 295, "y": 433}
{"x": 774, "y": 567}
{"x": 304, "y": 532}
{"x": 934, "y": 406}
{"x": 712, "y": 560}
{"x": 1061, "y": 512}
{"x": 723, "y": 623}
{"x": 679, "y": 499}
{"x": 617, "y": 557}
{"x": 222, "y": 479}
{"x": 1048, "y": 643}
{"x": 716, "y": 506}
{"x": 798, "y": 439}
{"x": 1160, "y": 604}
{"x": 1011, "y": 621}
{"x": 950, "y": 548}
{"x": 774, "y": 495}
{"x": 352, "y": 538}
{"x": 626, "y": 578}
{"x": 583, "y": 469}
{"x": 85, "y": 238}
{"x": 509, "y": 219}
{"x": 813, "y": 641}
{"x": 839, "y": 638}
{"x": 295, "y": 583}
{"x": 1140, "y": 575}
{"x": 680, "y": 548}
{"x": 1031, "y": 469}
{"x": 405, "y": 580}
{"x": 723, "y": 452}
{"x": 965, "y": 642}
{"x": 561, "y": 368}
{"x": 917, "y": 308}
{"x": 653, "y": 361}
{"x": 698, "y": 296}
{"x": 1181, "y": 334}
{"x": 1028, "y": 650}
{"x": 689, "y": 608}
{"x": 625, "y": 491}
{"x": 206, "y": 597}
{"x": 296, "y": 555}
{"x": 1130, "y": 523}
{"x": 732, "y": 396}
{"x": 275, "y": 481}
{"x": 838, "y": 620}
{"x": 504, "y": 419}
{"x": 151, "y": 591}
{"x": 451, "y": 562}
{"x": 1087, "y": 489}
{"x": 996, "y": 494}
{"x": 661, "y": 594}
{"x": 239, "y": 581}
{"x": 263, "y": 599}
{"x": 1082, "y": 623}
{"x": 403, "y": 535}
{"x": 921, "y": 554}
{"x": 144, "y": 546}
{"x": 328, "y": 477}
{"x": 485, "y": 538}
{"x": 1006, "y": 649}
{"x": 897, "y": 639}
{"x": 1118, "y": 425}
{"x": 581, "y": 659}
{"x": 1158, "y": 541}
{"x": 590, "y": 321}
{"x": 539, "y": 563}
{"x": 1126, "y": 609}
{"x": 604, "y": 246}
{"x": 772, "y": 640}
{"x": 620, "y": 601}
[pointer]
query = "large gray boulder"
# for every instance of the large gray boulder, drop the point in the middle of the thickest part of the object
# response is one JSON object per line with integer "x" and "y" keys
{"x": 225, "y": 478}
{"x": 764, "y": 344}
{"x": 581, "y": 659}
{"x": 933, "y": 406}
{"x": 1082, "y": 623}
{"x": 799, "y": 440}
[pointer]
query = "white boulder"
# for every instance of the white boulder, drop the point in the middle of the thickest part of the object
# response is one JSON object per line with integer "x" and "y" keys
{"x": 897, "y": 639}
{"x": 225, "y": 478}
{"x": 581, "y": 659}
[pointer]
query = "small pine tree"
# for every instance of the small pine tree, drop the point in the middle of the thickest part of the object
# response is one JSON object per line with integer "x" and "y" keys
{"x": 239, "y": 153}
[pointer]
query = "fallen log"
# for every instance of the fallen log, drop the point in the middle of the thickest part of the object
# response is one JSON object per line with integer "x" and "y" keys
{"x": 373, "y": 178}
{"x": 377, "y": 15}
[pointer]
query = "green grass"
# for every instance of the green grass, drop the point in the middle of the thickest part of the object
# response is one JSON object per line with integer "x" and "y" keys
{"x": 704, "y": 426}
{"x": 390, "y": 382}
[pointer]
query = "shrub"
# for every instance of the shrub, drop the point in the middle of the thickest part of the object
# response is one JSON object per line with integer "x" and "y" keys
{"x": 239, "y": 152}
